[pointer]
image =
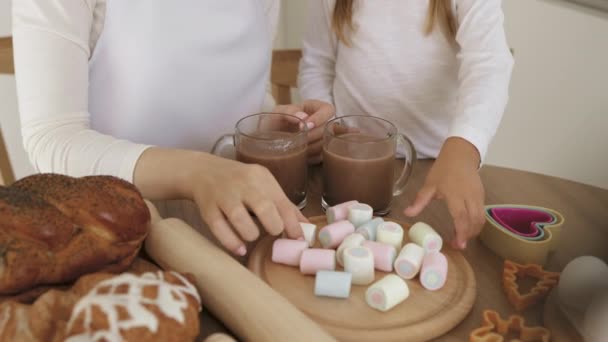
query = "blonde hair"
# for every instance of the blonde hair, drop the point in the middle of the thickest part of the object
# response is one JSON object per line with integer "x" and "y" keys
{"x": 439, "y": 14}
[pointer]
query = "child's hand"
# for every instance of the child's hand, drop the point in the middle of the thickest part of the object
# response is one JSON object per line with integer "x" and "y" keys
{"x": 315, "y": 113}
{"x": 454, "y": 178}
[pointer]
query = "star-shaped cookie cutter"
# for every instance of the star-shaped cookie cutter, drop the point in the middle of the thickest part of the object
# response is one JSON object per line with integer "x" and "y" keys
{"x": 494, "y": 329}
{"x": 546, "y": 281}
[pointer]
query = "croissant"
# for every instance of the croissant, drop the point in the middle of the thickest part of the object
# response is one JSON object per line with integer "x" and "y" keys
{"x": 55, "y": 228}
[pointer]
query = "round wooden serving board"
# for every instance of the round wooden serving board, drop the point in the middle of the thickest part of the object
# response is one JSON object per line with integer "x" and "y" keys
{"x": 422, "y": 316}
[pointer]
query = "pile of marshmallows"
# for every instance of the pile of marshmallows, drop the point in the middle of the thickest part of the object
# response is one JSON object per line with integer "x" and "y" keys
{"x": 363, "y": 244}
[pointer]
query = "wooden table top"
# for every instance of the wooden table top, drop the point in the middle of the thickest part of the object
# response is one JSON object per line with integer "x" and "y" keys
{"x": 585, "y": 232}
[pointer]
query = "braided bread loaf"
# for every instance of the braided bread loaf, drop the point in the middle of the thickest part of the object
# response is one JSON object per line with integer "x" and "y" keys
{"x": 55, "y": 228}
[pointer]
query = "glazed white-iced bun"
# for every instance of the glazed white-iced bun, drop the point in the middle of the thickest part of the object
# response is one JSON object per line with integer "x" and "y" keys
{"x": 580, "y": 281}
{"x": 595, "y": 324}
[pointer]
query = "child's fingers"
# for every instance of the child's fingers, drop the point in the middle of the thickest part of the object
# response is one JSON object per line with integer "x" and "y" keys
{"x": 319, "y": 112}
{"x": 423, "y": 198}
{"x": 460, "y": 215}
{"x": 477, "y": 217}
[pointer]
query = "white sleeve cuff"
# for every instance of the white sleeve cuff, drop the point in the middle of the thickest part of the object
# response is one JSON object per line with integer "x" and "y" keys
{"x": 130, "y": 159}
{"x": 477, "y": 137}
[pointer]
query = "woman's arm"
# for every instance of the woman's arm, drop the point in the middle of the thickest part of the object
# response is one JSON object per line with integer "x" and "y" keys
{"x": 51, "y": 42}
{"x": 316, "y": 77}
{"x": 51, "y": 56}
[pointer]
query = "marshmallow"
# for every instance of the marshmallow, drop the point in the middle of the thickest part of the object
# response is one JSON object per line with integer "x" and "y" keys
{"x": 333, "y": 284}
{"x": 425, "y": 236}
{"x": 352, "y": 240}
{"x": 389, "y": 291}
{"x": 288, "y": 252}
{"x": 368, "y": 229}
{"x": 309, "y": 231}
{"x": 434, "y": 271}
{"x": 338, "y": 212}
{"x": 384, "y": 255}
{"x": 390, "y": 233}
{"x": 331, "y": 236}
{"x": 409, "y": 261}
{"x": 360, "y": 213}
{"x": 317, "y": 259}
{"x": 359, "y": 261}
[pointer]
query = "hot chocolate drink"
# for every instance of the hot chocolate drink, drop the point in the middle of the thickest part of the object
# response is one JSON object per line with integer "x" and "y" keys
{"x": 279, "y": 153}
{"x": 360, "y": 167}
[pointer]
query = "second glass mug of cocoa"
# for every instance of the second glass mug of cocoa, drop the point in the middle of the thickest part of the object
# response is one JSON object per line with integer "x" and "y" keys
{"x": 359, "y": 153}
{"x": 276, "y": 141}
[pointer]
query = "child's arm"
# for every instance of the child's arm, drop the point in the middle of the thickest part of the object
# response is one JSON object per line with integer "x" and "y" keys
{"x": 317, "y": 72}
{"x": 455, "y": 179}
{"x": 484, "y": 75}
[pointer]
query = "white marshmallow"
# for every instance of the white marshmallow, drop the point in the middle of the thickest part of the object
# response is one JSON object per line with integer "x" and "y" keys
{"x": 353, "y": 240}
{"x": 426, "y": 237}
{"x": 368, "y": 229}
{"x": 309, "y": 231}
{"x": 386, "y": 293}
{"x": 333, "y": 284}
{"x": 409, "y": 261}
{"x": 360, "y": 213}
{"x": 359, "y": 261}
{"x": 390, "y": 233}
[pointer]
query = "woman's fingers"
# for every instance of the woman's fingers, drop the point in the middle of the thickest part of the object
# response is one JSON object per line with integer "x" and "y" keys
{"x": 240, "y": 219}
{"x": 222, "y": 230}
{"x": 268, "y": 214}
{"x": 291, "y": 218}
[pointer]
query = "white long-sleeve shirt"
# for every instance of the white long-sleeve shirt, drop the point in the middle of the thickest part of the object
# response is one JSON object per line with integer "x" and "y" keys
{"x": 175, "y": 74}
{"x": 431, "y": 88}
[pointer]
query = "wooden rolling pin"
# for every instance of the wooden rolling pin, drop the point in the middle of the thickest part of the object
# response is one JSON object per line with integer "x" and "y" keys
{"x": 249, "y": 307}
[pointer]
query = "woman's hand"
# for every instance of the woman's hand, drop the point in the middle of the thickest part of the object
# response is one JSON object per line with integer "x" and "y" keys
{"x": 226, "y": 191}
{"x": 315, "y": 113}
{"x": 454, "y": 177}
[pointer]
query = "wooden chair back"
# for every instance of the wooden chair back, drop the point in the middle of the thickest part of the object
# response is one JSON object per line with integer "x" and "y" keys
{"x": 6, "y": 67}
{"x": 284, "y": 74}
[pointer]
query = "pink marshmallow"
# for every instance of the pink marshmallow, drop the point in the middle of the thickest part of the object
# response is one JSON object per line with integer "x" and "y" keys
{"x": 338, "y": 212}
{"x": 384, "y": 255}
{"x": 434, "y": 271}
{"x": 331, "y": 236}
{"x": 316, "y": 259}
{"x": 288, "y": 252}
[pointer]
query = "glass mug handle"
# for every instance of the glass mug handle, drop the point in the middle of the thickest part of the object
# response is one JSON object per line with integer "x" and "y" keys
{"x": 408, "y": 165}
{"x": 221, "y": 143}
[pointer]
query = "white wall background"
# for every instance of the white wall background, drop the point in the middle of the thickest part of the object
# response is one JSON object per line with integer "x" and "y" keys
{"x": 9, "y": 116}
{"x": 557, "y": 118}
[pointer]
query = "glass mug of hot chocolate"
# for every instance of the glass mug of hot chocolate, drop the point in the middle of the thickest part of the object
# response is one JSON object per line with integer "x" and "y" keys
{"x": 277, "y": 142}
{"x": 359, "y": 153}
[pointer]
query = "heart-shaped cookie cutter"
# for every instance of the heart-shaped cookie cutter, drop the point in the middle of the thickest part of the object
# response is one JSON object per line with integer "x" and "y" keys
{"x": 539, "y": 234}
{"x": 526, "y": 222}
{"x": 521, "y": 249}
